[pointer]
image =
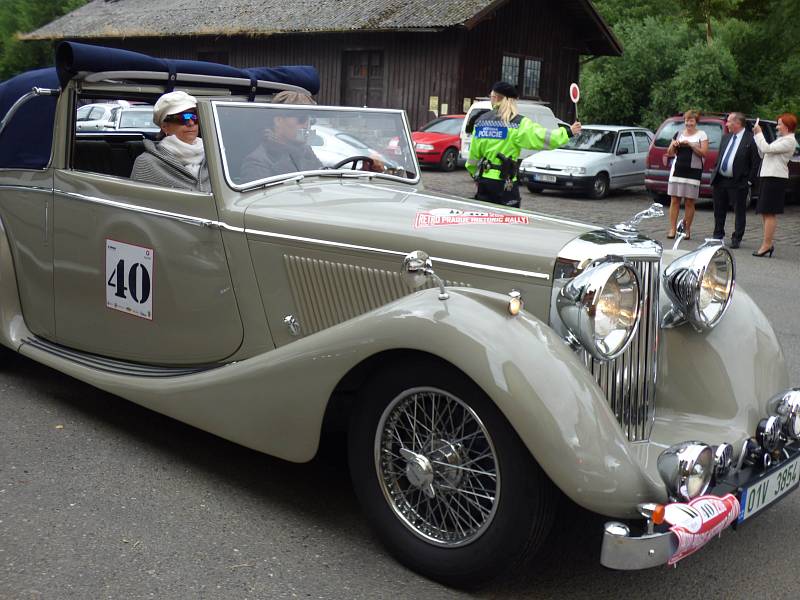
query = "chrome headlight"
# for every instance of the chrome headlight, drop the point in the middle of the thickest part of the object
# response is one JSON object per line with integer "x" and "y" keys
{"x": 575, "y": 170}
{"x": 686, "y": 469}
{"x": 787, "y": 406}
{"x": 600, "y": 307}
{"x": 700, "y": 285}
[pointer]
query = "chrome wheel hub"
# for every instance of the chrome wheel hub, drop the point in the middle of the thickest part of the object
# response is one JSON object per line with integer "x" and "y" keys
{"x": 437, "y": 467}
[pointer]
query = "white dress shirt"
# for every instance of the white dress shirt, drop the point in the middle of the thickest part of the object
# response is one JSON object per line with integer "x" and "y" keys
{"x": 733, "y": 146}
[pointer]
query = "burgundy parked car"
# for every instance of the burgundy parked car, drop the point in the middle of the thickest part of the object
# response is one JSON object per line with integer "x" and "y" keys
{"x": 439, "y": 142}
{"x": 657, "y": 171}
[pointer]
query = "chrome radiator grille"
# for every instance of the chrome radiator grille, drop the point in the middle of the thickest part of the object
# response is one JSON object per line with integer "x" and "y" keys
{"x": 628, "y": 381}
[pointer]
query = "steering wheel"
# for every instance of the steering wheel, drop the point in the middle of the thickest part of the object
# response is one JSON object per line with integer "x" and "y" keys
{"x": 368, "y": 161}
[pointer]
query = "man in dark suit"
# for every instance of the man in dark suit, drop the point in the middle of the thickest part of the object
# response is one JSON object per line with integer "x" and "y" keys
{"x": 734, "y": 172}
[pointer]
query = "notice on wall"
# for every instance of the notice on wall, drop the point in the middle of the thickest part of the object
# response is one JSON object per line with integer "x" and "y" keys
{"x": 445, "y": 108}
{"x": 433, "y": 104}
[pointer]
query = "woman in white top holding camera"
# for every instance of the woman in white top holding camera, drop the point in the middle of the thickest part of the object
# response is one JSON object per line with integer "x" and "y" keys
{"x": 689, "y": 147}
{"x": 774, "y": 175}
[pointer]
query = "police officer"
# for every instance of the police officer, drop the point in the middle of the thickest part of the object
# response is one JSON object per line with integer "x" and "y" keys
{"x": 497, "y": 139}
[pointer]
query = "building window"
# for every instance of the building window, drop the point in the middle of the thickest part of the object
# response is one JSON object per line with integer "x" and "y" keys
{"x": 511, "y": 70}
{"x": 530, "y": 78}
{"x": 524, "y": 73}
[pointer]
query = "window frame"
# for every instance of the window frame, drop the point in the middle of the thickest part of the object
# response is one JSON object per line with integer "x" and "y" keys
{"x": 519, "y": 82}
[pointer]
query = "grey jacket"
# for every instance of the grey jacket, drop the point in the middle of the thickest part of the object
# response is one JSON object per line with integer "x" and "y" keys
{"x": 160, "y": 167}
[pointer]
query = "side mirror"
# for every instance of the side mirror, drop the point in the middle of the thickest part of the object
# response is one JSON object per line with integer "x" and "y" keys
{"x": 417, "y": 269}
{"x": 622, "y": 151}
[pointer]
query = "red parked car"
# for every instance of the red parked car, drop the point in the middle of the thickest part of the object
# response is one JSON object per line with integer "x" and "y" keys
{"x": 657, "y": 171}
{"x": 439, "y": 142}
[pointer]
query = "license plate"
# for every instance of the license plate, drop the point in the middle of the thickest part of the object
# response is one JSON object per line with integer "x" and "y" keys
{"x": 544, "y": 178}
{"x": 773, "y": 487}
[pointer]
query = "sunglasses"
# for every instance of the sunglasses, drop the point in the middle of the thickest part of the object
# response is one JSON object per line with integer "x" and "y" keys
{"x": 183, "y": 118}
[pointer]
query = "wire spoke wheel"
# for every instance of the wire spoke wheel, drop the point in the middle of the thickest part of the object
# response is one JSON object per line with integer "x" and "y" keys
{"x": 437, "y": 466}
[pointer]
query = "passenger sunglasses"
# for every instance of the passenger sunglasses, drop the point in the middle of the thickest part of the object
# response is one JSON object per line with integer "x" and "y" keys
{"x": 182, "y": 118}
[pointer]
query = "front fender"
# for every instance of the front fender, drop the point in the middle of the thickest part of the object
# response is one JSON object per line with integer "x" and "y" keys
{"x": 275, "y": 402}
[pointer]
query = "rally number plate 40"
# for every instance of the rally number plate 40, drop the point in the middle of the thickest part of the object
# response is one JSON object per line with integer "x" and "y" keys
{"x": 771, "y": 488}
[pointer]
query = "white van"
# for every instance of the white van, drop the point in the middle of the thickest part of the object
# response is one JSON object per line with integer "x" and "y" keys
{"x": 539, "y": 113}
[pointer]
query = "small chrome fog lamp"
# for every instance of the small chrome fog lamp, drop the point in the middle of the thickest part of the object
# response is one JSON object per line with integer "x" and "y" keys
{"x": 700, "y": 285}
{"x": 787, "y": 406}
{"x": 723, "y": 459}
{"x": 768, "y": 433}
{"x": 600, "y": 307}
{"x": 686, "y": 469}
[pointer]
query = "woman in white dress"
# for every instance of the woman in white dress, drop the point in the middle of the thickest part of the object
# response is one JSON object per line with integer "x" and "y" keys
{"x": 688, "y": 148}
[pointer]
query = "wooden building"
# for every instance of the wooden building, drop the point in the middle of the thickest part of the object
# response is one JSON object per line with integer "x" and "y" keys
{"x": 428, "y": 57}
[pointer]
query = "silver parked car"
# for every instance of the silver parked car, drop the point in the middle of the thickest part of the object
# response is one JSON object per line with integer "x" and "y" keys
{"x": 482, "y": 362}
{"x": 600, "y": 158}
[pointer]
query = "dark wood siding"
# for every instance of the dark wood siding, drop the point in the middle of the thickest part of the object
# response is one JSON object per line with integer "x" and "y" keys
{"x": 535, "y": 29}
{"x": 416, "y": 65}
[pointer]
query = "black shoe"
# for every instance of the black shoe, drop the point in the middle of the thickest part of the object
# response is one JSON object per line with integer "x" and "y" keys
{"x": 735, "y": 243}
{"x": 768, "y": 252}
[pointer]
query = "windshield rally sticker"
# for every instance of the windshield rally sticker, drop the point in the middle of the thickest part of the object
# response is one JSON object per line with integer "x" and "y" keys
{"x": 129, "y": 278}
{"x": 696, "y": 523}
{"x": 451, "y": 216}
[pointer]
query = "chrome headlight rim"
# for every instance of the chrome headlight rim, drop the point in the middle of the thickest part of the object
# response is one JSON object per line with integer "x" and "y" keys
{"x": 687, "y": 469}
{"x": 683, "y": 281}
{"x": 578, "y": 305}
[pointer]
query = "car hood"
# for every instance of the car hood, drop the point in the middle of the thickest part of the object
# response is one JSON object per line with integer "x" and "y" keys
{"x": 397, "y": 219}
{"x": 564, "y": 158}
{"x": 429, "y": 137}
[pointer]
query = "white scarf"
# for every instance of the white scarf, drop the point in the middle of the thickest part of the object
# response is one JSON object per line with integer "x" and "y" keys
{"x": 190, "y": 156}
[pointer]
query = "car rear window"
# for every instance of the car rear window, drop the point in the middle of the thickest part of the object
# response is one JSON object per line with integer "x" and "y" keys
{"x": 668, "y": 131}
{"x": 446, "y": 126}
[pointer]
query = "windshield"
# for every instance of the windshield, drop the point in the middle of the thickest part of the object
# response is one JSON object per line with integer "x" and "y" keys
{"x": 670, "y": 129}
{"x": 447, "y": 126}
{"x": 270, "y": 142}
{"x": 592, "y": 140}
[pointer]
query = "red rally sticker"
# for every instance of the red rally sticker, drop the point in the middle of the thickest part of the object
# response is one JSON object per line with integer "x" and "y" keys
{"x": 439, "y": 217}
{"x": 696, "y": 523}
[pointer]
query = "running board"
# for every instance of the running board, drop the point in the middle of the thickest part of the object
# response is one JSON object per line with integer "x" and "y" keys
{"x": 110, "y": 365}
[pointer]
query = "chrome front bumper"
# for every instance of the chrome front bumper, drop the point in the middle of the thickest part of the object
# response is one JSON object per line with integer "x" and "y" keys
{"x": 624, "y": 552}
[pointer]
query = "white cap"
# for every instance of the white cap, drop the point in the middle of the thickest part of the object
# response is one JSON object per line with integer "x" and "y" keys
{"x": 172, "y": 103}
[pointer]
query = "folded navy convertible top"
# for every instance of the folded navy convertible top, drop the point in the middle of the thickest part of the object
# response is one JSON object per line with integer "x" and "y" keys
{"x": 27, "y": 139}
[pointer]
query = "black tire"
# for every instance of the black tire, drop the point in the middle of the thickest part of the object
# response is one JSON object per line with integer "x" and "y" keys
{"x": 599, "y": 186}
{"x": 510, "y": 520}
{"x": 449, "y": 160}
{"x": 534, "y": 189}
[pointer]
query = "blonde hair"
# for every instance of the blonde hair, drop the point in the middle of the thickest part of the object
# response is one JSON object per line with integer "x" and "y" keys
{"x": 691, "y": 114}
{"x": 507, "y": 109}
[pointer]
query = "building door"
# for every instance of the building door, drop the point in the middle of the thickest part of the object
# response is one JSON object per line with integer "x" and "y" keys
{"x": 362, "y": 78}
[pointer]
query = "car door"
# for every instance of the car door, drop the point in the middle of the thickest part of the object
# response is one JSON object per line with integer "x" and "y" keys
{"x": 643, "y": 141}
{"x": 140, "y": 272}
{"x": 624, "y": 162}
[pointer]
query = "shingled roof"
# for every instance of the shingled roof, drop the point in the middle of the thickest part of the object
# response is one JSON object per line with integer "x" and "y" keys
{"x": 104, "y": 19}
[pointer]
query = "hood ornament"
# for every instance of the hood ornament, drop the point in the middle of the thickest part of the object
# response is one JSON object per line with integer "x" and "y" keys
{"x": 632, "y": 224}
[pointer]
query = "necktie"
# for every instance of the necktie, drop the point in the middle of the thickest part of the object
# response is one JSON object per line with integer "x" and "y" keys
{"x": 728, "y": 154}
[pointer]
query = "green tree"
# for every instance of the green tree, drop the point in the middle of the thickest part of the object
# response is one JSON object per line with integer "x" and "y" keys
{"x": 619, "y": 90}
{"x": 21, "y": 16}
{"x": 703, "y": 11}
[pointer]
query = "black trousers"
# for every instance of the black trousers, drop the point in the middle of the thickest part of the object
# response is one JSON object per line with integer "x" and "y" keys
{"x": 727, "y": 192}
{"x": 493, "y": 190}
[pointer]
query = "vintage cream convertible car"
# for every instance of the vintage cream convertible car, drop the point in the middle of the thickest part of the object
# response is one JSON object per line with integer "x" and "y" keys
{"x": 481, "y": 361}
